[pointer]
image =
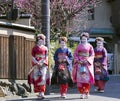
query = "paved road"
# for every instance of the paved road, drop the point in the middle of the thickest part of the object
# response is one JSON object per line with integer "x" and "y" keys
{"x": 112, "y": 93}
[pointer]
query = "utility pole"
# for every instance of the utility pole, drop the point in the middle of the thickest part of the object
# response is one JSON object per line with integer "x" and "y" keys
{"x": 12, "y": 5}
{"x": 45, "y": 20}
{"x": 45, "y": 24}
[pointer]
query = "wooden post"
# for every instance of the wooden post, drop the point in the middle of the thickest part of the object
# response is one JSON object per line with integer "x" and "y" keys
{"x": 116, "y": 59}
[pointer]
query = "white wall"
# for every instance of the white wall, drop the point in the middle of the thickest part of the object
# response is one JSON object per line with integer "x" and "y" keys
{"x": 8, "y": 31}
{"x": 102, "y": 16}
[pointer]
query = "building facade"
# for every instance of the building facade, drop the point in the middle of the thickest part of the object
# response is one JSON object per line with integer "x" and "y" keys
{"x": 106, "y": 23}
{"x": 115, "y": 20}
{"x": 100, "y": 25}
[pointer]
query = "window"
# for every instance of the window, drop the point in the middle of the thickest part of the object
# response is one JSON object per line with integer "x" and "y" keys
{"x": 91, "y": 13}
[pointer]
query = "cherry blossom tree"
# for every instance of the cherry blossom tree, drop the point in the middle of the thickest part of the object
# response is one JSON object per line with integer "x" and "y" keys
{"x": 62, "y": 12}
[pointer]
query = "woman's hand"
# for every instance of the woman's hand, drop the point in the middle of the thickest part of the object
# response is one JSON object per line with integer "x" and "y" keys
{"x": 40, "y": 64}
{"x": 79, "y": 62}
{"x": 82, "y": 62}
{"x": 85, "y": 62}
{"x": 97, "y": 64}
{"x": 60, "y": 60}
{"x": 64, "y": 60}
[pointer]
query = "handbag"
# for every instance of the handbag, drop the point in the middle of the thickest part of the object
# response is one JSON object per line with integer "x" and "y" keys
{"x": 82, "y": 69}
{"x": 61, "y": 67}
{"x": 98, "y": 70}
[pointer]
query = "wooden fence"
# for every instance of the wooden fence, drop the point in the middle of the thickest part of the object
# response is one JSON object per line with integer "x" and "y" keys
{"x": 15, "y": 57}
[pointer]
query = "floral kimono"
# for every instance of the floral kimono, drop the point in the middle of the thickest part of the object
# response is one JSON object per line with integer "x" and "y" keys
{"x": 83, "y": 74}
{"x": 101, "y": 73}
{"x": 63, "y": 69}
{"x": 37, "y": 75}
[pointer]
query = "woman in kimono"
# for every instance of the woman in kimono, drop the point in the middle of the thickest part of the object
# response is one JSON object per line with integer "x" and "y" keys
{"x": 63, "y": 65}
{"x": 83, "y": 71}
{"x": 100, "y": 65}
{"x": 37, "y": 75}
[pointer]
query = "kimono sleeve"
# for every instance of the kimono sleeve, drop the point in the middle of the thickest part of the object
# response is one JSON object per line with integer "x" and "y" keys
{"x": 104, "y": 60}
{"x": 69, "y": 59}
{"x": 91, "y": 56}
{"x": 76, "y": 55}
{"x": 46, "y": 57}
{"x": 56, "y": 56}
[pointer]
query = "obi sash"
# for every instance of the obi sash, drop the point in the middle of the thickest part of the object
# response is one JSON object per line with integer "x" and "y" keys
{"x": 40, "y": 55}
{"x": 83, "y": 54}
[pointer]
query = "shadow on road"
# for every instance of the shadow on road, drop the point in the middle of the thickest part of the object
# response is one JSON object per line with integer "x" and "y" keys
{"x": 112, "y": 88}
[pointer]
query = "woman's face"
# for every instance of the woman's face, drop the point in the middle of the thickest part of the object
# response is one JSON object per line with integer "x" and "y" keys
{"x": 62, "y": 44}
{"x": 84, "y": 39}
{"x": 99, "y": 43}
{"x": 40, "y": 42}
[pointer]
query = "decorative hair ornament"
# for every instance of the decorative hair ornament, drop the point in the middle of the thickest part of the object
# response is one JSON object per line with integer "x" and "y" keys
{"x": 63, "y": 39}
{"x": 100, "y": 39}
{"x": 84, "y": 34}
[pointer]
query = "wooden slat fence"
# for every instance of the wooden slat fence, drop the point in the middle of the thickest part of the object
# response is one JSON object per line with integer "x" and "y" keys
{"x": 28, "y": 47}
{"x": 4, "y": 57}
{"x": 15, "y": 57}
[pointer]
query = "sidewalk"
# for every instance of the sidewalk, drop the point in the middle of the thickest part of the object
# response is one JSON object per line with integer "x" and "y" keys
{"x": 112, "y": 93}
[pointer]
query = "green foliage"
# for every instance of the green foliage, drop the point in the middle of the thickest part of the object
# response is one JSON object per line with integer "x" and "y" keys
{"x": 72, "y": 45}
{"x": 53, "y": 46}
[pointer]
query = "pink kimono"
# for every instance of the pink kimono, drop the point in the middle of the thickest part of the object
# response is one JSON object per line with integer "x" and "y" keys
{"x": 83, "y": 52}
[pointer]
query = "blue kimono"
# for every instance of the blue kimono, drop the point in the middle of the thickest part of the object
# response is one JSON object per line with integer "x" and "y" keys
{"x": 63, "y": 69}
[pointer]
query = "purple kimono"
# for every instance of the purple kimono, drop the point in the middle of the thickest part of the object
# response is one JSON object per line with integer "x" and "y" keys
{"x": 100, "y": 57}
